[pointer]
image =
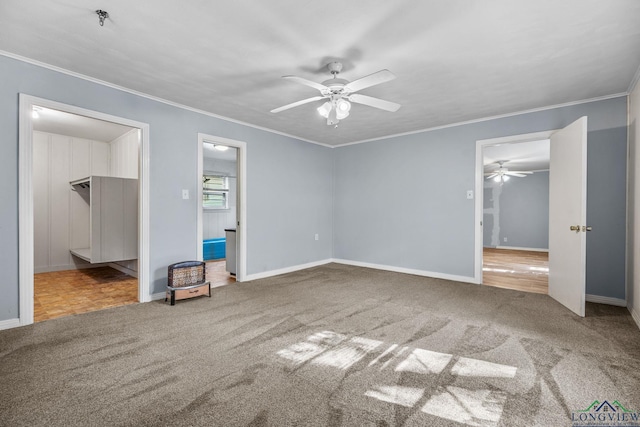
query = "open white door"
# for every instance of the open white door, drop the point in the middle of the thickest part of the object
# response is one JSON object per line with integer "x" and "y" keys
{"x": 568, "y": 216}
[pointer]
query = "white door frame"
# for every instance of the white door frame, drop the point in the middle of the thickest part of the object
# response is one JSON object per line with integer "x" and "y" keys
{"x": 241, "y": 214}
{"x": 25, "y": 199}
{"x": 480, "y": 145}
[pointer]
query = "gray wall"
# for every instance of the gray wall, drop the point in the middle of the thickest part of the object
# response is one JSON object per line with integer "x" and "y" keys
{"x": 517, "y": 210}
{"x": 289, "y": 182}
{"x": 398, "y": 202}
{"x": 402, "y": 201}
{"x": 633, "y": 254}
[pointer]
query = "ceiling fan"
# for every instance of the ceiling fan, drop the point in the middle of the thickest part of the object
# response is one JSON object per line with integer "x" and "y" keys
{"x": 338, "y": 92}
{"x": 503, "y": 174}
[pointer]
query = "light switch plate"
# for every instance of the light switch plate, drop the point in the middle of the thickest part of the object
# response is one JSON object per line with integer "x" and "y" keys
{"x": 185, "y": 194}
{"x": 469, "y": 194}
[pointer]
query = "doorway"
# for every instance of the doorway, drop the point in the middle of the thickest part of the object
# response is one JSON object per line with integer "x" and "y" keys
{"x": 516, "y": 216}
{"x": 486, "y": 234}
{"x": 221, "y": 218}
{"x": 33, "y": 139}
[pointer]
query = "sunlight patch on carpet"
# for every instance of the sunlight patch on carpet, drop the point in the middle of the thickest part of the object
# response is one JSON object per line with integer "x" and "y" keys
{"x": 466, "y": 367}
{"x": 472, "y": 405}
{"x": 481, "y": 408}
{"x": 398, "y": 395}
{"x": 421, "y": 361}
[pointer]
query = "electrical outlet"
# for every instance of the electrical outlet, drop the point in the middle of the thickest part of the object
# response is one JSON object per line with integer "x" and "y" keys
{"x": 185, "y": 194}
{"x": 505, "y": 240}
{"x": 317, "y": 236}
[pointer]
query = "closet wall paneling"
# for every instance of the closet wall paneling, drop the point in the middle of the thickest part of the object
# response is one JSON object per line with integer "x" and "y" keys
{"x": 58, "y": 159}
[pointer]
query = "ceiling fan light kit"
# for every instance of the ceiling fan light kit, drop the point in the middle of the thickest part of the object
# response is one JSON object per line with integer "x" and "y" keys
{"x": 503, "y": 174}
{"x": 340, "y": 94}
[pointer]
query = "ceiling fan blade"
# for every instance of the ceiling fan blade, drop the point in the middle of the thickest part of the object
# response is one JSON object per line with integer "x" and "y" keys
{"x": 493, "y": 175}
{"x": 523, "y": 172}
{"x": 374, "y": 102}
{"x": 520, "y": 175}
{"x": 295, "y": 104}
{"x": 306, "y": 82}
{"x": 370, "y": 80}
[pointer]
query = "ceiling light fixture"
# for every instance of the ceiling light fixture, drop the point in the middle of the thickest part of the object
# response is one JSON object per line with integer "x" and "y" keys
{"x": 102, "y": 15}
{"x": 341, "y": 106}
{"x": 35, "y": 112}
{"x": 340, "y": 93}
{"x": 501, "y": 179}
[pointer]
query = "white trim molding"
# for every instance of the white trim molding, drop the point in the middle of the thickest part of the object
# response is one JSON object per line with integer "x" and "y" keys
{"x": 151, "y": 97}
{"x": 241, "y": 208}
{"x": 123, "y": 269}
{"x": 518, "y": 248}
{"x": 25, "y": 198}
{"x": 9, "y": 324}
{"x": 414, "y": 272}
{"x": 634, "y": 81}
{"x": 228, "y": 119}
{"x": 618, "y": 302}
{"x": 271, "y": 273}
{"x": 635, "y": 315}
{"x": 489, "y": 118}
{"x": 66, "y": 267}
{"x": 479, "y": 184}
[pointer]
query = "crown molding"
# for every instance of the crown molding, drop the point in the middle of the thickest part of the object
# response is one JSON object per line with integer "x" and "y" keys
{"x": 634, "y": 81}
{"x": 151, "y": 97}
{"x": 486, "y": 119}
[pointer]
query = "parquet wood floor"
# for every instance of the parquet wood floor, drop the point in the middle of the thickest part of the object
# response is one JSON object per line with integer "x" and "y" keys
{"x": 63, "y": 293}
{"x": 513, "y": 269}
{"x": 217, "y": 274}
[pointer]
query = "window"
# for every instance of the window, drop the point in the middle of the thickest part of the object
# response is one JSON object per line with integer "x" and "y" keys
{"x": 215, "y": 192}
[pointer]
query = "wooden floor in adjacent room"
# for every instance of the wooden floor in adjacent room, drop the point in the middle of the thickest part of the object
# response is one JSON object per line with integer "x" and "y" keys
{"x": 63, "y": 293}
{"x": 217, "y": 274}
{"x": 514, "y": 269}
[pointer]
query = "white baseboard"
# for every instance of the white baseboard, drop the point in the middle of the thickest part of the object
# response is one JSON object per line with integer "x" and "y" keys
{"x": 52, "y": 268}
{"x": 124, "y": 270}
{"x": 9, "y": 324}
{"x": 285, "y": 270}
{"x": 423, "y": 273}
{"x": 517, "y": 248}
{"x": 635, "y": 315}
{"x": 606, "y": 300}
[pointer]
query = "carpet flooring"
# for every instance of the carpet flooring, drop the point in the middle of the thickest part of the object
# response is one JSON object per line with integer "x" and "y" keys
{"x": 332, "y": 346}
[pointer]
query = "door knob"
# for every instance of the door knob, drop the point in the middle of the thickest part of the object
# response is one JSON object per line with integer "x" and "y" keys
{"x": 575, "y": 228}
{"x": 586, "y": 228}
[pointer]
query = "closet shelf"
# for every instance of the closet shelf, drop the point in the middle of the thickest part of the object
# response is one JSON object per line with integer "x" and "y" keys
{"x": 84, "y": 253}
{"x": 111, "y": 220}
{"x": 82, "y": 183}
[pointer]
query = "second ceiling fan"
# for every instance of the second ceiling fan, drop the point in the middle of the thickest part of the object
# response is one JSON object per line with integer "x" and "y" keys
{"x": 338, "y": 92}
{"x": 502, "y": 174}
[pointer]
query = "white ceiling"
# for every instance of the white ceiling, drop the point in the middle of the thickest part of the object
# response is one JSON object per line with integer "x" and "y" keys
{"x": 455, "y": 61}
{"x": 62, "y": 123}
{"x": 521, "y": 156}
{"x": 208, "y": 152}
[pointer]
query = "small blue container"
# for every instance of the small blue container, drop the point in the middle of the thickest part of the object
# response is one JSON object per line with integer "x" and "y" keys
{"x": 214, "y": 248}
